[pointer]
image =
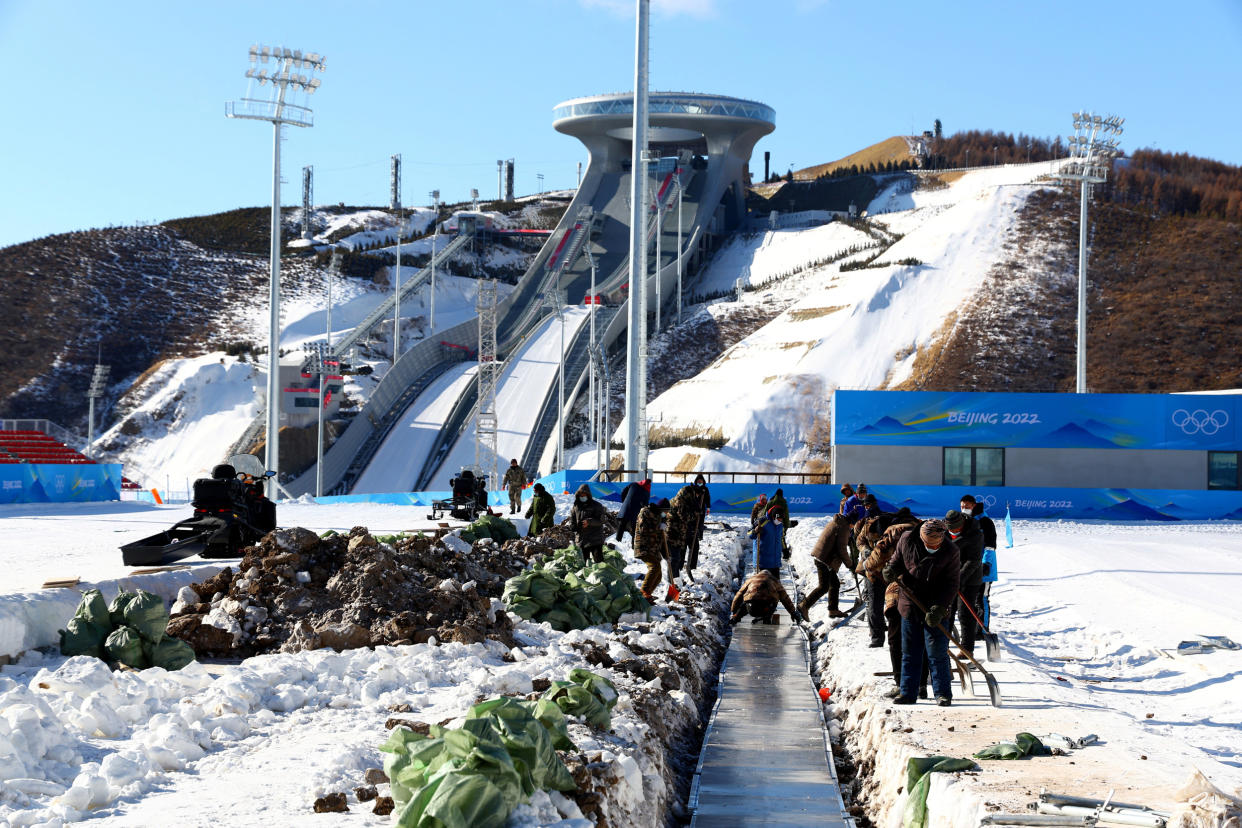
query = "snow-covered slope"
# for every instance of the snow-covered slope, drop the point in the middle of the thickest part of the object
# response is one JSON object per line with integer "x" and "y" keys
{"x": 860, "y": 328}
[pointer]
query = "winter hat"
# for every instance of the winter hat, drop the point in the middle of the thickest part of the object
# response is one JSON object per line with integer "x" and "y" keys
{"x": 932, "y": 531}
{"x": 780, "y": 492}
{"x": 870, "y": 499}
{"x": 954, "y": 520}
{"x": 763, "y": 498}
{"x": 646, "y": 484}
{"x": 862, "y": 489}
{"x": 846, "y": 488}
{"x": 539, "y": 488}
{"x": 662, "y": 503}
{"x": 773, "y": 512}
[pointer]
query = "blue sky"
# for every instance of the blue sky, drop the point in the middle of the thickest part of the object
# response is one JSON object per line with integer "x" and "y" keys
{"x": 115, "y": 111}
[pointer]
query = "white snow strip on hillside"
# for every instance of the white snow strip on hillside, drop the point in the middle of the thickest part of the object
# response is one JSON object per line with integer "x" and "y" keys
{"x": 526, "y": 377}
{"x": 840, "y": 329}
{"x": 399, "y": 460}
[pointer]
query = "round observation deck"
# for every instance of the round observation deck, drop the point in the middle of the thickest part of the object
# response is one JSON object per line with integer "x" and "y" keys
{"x": 672, "y": 116}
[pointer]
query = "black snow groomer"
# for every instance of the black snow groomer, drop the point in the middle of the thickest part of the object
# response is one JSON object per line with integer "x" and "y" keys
{"x": 231, "y": 511}
{"x": 469, "y": 497}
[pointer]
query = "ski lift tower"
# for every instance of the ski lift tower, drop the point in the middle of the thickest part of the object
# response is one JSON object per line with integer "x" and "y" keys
{"x": 489, "y": 372}
{"x": 279, "y": 110}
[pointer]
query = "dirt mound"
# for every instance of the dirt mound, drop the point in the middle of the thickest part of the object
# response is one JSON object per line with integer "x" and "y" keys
{"x": 296, "y": 591}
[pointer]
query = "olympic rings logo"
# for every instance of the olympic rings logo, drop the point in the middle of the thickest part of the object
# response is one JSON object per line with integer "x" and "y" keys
{"x": 1200, "y": 421}
{"x": 988, "y": 501}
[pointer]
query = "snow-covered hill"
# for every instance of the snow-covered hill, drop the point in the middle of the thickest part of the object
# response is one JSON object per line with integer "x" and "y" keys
{"x": 858, "y": 303}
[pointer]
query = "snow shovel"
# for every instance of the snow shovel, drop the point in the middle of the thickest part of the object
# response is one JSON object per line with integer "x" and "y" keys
{"x": 993, "y": 684}
{"x": 990, "y": 639}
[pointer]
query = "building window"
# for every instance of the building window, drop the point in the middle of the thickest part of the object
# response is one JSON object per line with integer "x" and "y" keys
{"x": 305, "y": 402}
{"x": 974, "y": 466}
{"x": 1223, "y": 470}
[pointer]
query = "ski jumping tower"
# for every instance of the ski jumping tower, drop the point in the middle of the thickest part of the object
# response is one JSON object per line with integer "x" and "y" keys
{"x": 721, "y": 131}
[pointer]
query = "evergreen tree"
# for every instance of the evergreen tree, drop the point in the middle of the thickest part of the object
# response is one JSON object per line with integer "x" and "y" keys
{"x": 937, "y": 130}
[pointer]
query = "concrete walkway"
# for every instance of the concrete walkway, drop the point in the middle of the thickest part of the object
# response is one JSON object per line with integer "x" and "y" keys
{"x": 765, "y": 757}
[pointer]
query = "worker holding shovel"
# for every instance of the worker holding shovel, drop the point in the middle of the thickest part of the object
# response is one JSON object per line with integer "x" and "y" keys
{"x": 650, "y": 545}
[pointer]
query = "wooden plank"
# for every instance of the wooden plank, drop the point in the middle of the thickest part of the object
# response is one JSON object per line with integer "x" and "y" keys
{"x": 62, "y": 583}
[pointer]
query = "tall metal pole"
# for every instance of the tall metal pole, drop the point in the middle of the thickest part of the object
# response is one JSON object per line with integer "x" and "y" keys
{"x": 396, "y": 298}
{"x": 659, "y": 260}
{"x": 591, "y": 412}
{"x": 1081, "y": 385}
{"x": 635, "y": 388}
{"x": 560, "y": 410}
{"x": 272, "y": 460}
{"x": 323, "y": 370}
{"x": 679, "y": 245}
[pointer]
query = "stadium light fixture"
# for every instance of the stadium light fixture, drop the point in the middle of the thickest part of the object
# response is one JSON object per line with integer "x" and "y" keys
{"x": 279, "y": 110}
{"x": 1093, "y": 148}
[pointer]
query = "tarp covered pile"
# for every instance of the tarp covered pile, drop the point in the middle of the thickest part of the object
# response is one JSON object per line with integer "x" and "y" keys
{"x": 130, "y": 631}
{"x": 490, "y": 526}
{"x": 570, "y": 594}
{"x": 474, "y": 776}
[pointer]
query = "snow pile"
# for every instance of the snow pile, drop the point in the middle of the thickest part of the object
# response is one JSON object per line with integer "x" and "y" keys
{"x": 1088, "y": 645}
{"x": 767, "y": 393}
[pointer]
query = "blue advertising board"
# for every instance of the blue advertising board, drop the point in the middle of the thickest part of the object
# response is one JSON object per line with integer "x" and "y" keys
{"x": 1165, "y": 505}
{"x": 59, "y": 483}
{"x": 1130, "y": 421}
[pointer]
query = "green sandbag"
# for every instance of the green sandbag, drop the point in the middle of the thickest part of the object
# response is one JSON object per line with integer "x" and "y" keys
{"x": 82, "y": 638}
{"x": 93, "y": 609}
{"x": 918, "y": 782}
{"x": 529, "y": 743}
{"x": 480, "y": 529}
{"x": 147, "y": 614}
{"x": 576, "y": 700}
{"x": 603, "y": 689}
{"x": 523, "y": 607}
{"x": 124, "y": 646}
{"x": 400, "y": 766}
{"x": 456, "y": 799}
{"x": 171, "y": 654}
{"x": 116, "y": 610}
{"x": 1024, "y": 744}
{"x": 553, "y": 719}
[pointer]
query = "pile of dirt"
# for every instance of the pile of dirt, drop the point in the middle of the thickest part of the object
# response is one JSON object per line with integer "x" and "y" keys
{"x": 296, "y": 591}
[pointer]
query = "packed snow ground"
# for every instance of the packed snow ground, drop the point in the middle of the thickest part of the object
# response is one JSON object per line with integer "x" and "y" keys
{"x": 1086, "y": 614}
{"x": 258, "y": 742}
{"x": 853, "y": 329}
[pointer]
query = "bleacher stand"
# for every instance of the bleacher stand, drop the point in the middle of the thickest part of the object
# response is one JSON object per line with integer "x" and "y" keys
{"x": 30, "y": 446}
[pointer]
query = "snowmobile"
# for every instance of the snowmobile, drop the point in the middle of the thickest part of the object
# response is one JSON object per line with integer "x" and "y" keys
{"x": 231, "y": 511}
{"x": 469, "y": 497}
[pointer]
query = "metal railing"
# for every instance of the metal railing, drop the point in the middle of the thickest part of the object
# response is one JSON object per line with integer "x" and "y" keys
{"x": 755, "y": 477}
{"x": 46, "y": 426}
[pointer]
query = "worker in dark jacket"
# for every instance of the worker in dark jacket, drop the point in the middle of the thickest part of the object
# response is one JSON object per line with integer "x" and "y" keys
{"x": 634, "y": 497}
{"x": 680, "y": 517}
{"x": 830, "y": 553}
{"x": 926, "y": 564}
{"x": 988, "y": 571}
{"x": 587, "y": 519}
{"x": 703, "y": 506}
{"x": 964, "y": 532}
{"x": 650, "y": 546}
{"x": 758, "y": 596}
{"x": 542, "y": 511}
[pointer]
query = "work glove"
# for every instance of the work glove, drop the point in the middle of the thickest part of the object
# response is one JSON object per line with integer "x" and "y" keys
{"x": 890, "y": 572}
{"x": 969, "y": 570}
{"x": 797, "y": 617}
{"x": 733, "y": 619}
{"x": 793, "y": 523}
{"x": 935, "y": 614}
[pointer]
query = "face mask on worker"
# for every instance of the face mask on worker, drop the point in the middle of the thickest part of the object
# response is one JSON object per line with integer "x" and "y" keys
{"x": 930, "y": 550}
{"x": 582, "y": 498}
{"x": 967, "y": 509}
{"x": 699, "y": 483}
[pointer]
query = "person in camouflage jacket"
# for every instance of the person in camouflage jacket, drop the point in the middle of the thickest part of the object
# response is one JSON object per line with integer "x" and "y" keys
{"x": 830, "y": 553}
{"x": 758, "y": 596}
{"x": 681, "y": 516}
{"x": 650, "y": 545}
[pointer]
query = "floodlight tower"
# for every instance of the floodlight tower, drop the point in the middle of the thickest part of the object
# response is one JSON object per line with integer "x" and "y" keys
{"x": 279, "y": 110}
{"x": 635, "y": 387}
{"x": 99, "y": 384}
{"x": 1091, "y": 156}
{"x": 308, "y": 197}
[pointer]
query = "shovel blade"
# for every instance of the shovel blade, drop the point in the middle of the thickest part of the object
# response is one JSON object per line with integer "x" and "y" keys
{"x": 994, "y": 690}
{"x": 993, "y": 646}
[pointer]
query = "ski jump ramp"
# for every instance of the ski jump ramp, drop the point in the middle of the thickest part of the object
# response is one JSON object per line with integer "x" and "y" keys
{"x": 704, "y": 143}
